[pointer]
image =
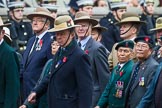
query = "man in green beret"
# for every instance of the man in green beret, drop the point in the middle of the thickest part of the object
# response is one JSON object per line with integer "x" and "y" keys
{"x": 113, "y": 95}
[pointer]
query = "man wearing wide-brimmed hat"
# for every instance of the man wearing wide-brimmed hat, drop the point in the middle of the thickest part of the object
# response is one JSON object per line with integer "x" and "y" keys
{"x": 38, "y": 50}
{"x": 9, "y": 73}
{"x": 97, "y": 32}
{"x": 70, "y": 81}
{"x": 112, "y": 35}
{"x": 129, "y": 26}
{"x": 20, "y": 31}
{"x": 157, "y": 53}
{"x": 96, "y": 51}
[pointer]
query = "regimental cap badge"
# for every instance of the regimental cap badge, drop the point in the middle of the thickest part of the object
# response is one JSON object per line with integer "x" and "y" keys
{"x": 69, "y": 23}
{"x": 147, "y": 39}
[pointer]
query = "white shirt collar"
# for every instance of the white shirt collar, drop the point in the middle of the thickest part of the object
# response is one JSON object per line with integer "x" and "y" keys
{"x": 1, "y": 41}
{"x": 41, "y": 35}
{"x": 84, "y": 42}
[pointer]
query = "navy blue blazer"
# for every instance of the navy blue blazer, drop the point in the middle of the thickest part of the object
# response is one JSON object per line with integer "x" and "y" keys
{"x": 32, "y": 66}
{"x": 69, "y": 83}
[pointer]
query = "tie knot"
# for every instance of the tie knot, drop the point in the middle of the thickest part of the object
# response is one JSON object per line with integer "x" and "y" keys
{"x": 79, "y": 44}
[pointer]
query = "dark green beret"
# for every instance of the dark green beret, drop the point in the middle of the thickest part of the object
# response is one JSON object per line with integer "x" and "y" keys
{"x": 125, "y": 43}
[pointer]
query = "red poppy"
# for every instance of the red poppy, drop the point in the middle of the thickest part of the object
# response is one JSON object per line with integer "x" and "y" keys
{"x": 147, "y": 39}
{"x": 86, "y": 51}
{"x": 121, "y": 73}
{"x": 64, "y": 59}
{"x": 41, "y": 43}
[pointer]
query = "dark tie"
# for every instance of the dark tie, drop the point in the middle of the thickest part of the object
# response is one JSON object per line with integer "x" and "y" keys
{"x": 79, "y": 44}
{"x": 135, "y": 73}
{"x": 118, "y": 68}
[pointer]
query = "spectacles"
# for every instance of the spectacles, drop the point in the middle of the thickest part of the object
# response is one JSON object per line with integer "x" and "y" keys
{"x": 142, "y": 46}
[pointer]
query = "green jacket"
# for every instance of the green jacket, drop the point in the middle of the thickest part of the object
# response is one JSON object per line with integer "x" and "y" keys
{"x": 113, "y": 95}
{"x": 42, "y": 102}
{"x": 9, "y": 77}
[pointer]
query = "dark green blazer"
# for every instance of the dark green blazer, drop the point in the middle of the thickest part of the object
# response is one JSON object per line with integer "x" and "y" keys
{"x": 9, "y": 77}
{"x": 109, "y": 95}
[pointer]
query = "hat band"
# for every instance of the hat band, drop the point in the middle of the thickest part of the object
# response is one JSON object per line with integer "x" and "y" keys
{"x": 82, "y": 17}
{"x": 63, "y": 25}
{"x": 131, "y": 19}
{"x": 158, "y": 25}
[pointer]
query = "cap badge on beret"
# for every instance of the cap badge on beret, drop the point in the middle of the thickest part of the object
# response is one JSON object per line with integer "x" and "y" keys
{"x": 147, "y": 39}
{"x": 126, "y": 44}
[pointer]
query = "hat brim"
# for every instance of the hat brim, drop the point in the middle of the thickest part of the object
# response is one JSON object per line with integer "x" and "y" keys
{"x": 5, "y": 25}
{"x": 156, "y": 29}
{"x": 55, "y": 30}
{"x": 123, "y": 22}
{"x": 100, "y": 28}
{"x": 30, "y": 16}
{"x": 92, "y": 21}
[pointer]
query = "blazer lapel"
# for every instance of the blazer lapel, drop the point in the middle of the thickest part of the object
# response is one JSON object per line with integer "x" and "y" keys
{"x": 27, "y": 52}
{"x": 62, "y": 61}
{"x": 140, "y": 73}
{"x": 88, "y": 44}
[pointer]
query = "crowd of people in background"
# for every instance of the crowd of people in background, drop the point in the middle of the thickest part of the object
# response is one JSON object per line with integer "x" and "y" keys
{"x": 76, "y": 61}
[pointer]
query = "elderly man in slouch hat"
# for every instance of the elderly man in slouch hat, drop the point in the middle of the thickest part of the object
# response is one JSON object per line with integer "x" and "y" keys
{"x": 69, "y": 84}
{"x": 38, "y": 50}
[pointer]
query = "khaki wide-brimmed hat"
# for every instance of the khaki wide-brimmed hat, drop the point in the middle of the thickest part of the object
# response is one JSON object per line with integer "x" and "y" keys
{"x": 83, "y": 16}
{"x": 63, "y": 23}
{"x": 42, "y": 12}
{"x": 3, "y": 25}
{"x": 158, "y": 24}
{"x": 130, "y": 17}
{"x": 99, "y": 27}
{"x": 7, "y": 37}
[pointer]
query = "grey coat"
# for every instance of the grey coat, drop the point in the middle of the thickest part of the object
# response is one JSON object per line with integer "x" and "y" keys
{"x": 100, "y": 69}
{"x": 135, "y": 93}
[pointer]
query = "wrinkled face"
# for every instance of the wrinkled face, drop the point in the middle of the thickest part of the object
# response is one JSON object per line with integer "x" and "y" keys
{"x": 88, "y": 9}
{"x": 62, "y": 37}
{"x": 38, "y": 23}
{"x": 125, "y": 31}
{"x": 150, "y": 8}
{"x": 102, "y": 3}
{"x": 96, "y": 35}
{"x": 18, "y": 13}
{"x": 83, "y": 30}
{"x": 142, "y": 50}
{"x": 54, "y": 46}
{"x": 124, "y": 54}
{"x": 158, "y": 35}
